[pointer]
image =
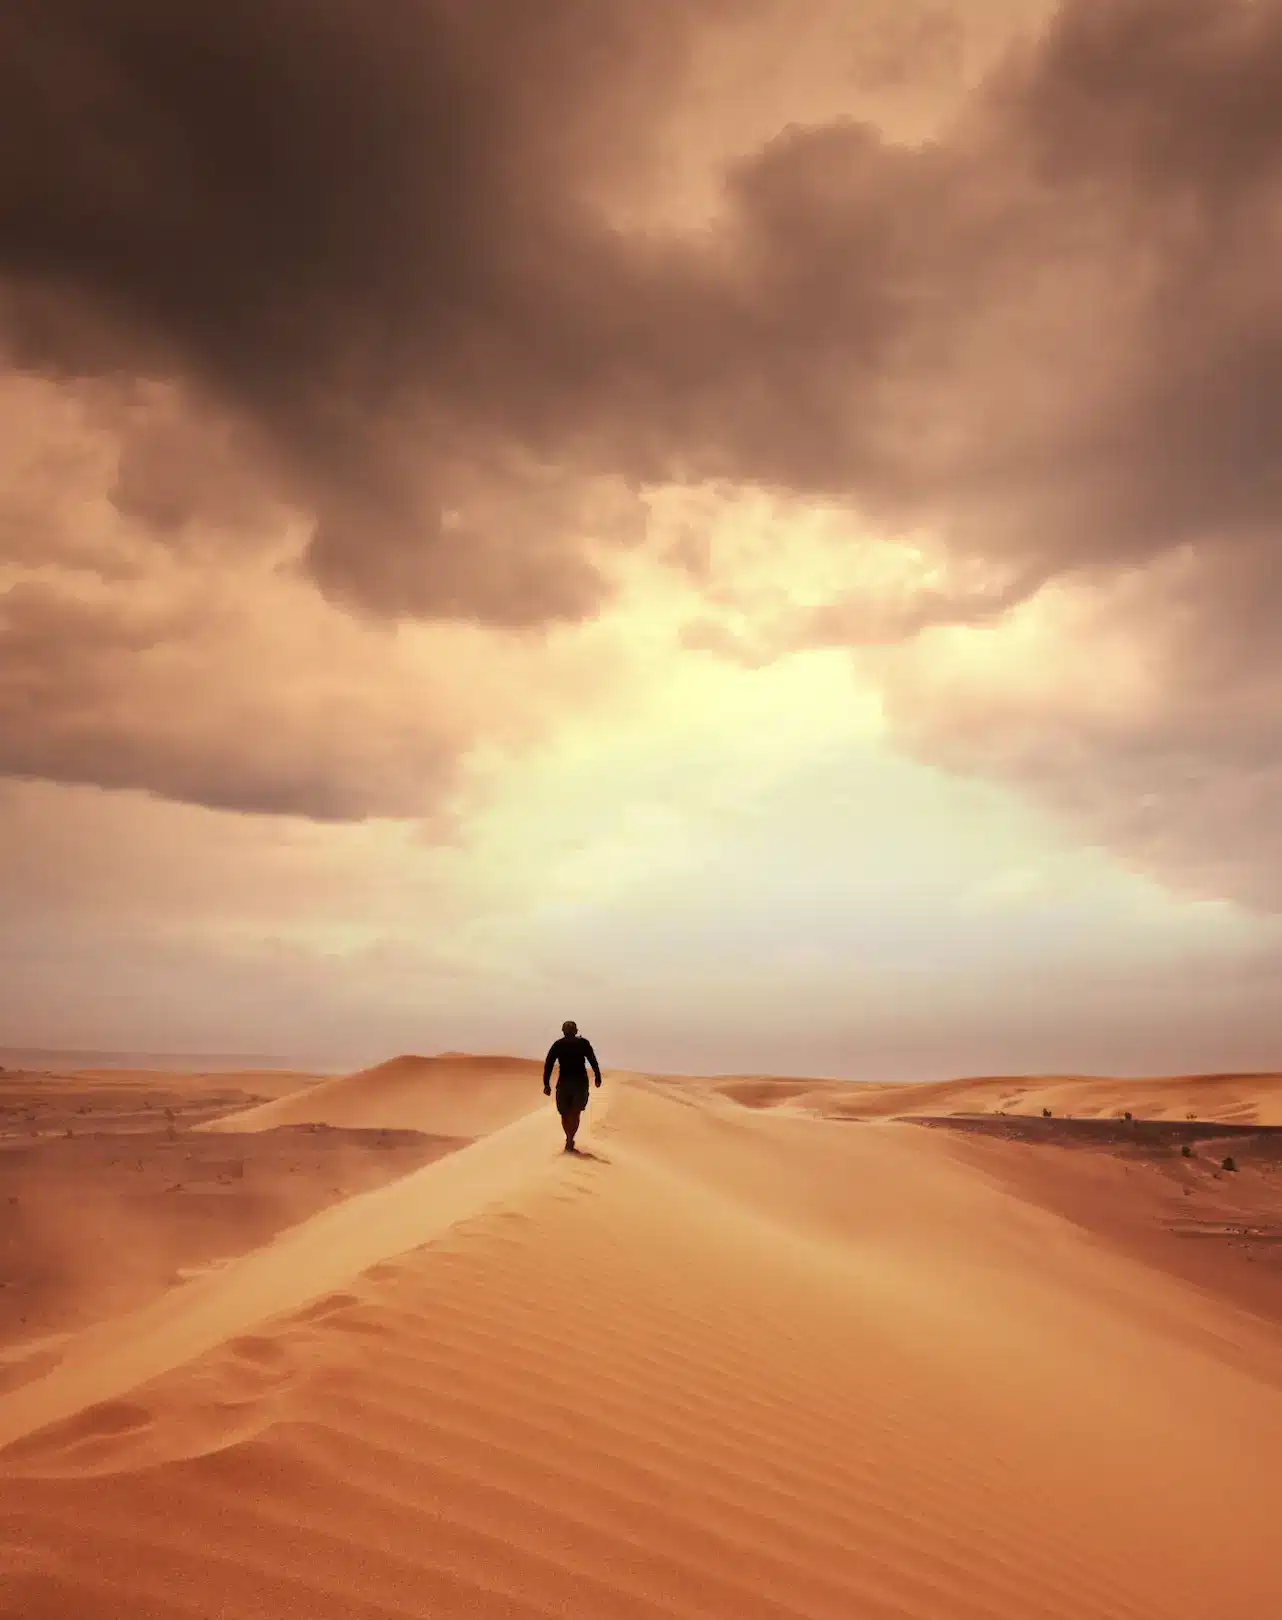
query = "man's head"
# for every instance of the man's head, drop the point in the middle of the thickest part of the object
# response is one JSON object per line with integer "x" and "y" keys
{"x": 569, "y": 1027}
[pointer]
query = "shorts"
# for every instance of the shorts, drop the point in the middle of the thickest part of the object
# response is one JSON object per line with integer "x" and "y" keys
{"x": 571, "y": 1096}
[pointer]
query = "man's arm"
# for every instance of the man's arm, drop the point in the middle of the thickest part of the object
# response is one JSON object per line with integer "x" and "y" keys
{"x": 548, "y": 1063}
{"x": 596, "y": 1067}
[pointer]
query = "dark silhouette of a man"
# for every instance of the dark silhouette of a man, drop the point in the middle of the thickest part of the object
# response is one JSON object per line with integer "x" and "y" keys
{"x": 572, "y": 1053}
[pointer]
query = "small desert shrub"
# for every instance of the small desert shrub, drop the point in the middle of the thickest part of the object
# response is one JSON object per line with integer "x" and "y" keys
{"x": 1187, "y": 1151}
{"x": 1046, "y": 1113}
{"x": 1128, "y": 1115}
{"x": 1229, "y": 1163}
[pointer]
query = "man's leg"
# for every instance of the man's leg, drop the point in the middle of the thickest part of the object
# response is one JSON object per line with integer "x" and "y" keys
{"x": 570, "y": 1121}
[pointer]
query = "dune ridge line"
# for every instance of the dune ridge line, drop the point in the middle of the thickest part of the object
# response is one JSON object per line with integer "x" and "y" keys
{"x": 303, "y": 1263}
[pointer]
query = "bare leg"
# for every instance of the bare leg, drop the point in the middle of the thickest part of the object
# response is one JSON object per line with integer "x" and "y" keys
{"x": 570, "y": 1122}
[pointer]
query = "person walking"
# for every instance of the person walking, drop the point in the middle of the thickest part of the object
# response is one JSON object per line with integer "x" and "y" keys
{"x": 570, "y": 1056}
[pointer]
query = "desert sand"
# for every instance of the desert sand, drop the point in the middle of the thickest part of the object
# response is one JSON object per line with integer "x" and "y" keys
{"x": 765, "y": 1348}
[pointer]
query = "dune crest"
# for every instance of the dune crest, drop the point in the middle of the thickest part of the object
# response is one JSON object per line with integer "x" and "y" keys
{"x": 303, "y": 1263}
{"x": 452, "y": 1094}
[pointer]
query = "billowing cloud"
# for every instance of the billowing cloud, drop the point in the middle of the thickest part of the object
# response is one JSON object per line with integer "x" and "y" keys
{"x": 172, "y": 700}
{"x": 373, "y": 251}
{"x": 190, "y": 661}
{"x": 1142, "y": 710}
{"x": 1053, "y": 329}
{"x": 366, "y": 237}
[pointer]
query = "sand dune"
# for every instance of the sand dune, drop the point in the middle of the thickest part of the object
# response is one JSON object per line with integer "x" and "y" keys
{"x": 732, "y": 1362}
{"x": 306, "y": 1261}
{"x": 450, "y": 1095}
{"x": 1254, "y": 1099}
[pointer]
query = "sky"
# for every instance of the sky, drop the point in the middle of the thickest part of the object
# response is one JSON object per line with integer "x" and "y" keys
{"x": 756, "y": 526}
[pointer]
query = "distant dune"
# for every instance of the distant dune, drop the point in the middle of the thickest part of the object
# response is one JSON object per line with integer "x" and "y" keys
{"x": 743, "y": 1358}
{"x": 450, "y": 1095}
{"x": 1250, "y": 1099}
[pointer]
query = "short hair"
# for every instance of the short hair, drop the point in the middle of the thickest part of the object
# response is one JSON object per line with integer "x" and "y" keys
{"x": 569, "y": 1027}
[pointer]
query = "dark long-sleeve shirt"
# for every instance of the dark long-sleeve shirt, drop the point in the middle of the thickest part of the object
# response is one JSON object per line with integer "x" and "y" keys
{"x": 573, "y": 1053}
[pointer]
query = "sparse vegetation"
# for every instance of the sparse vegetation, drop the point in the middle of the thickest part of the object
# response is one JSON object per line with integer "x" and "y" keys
{"x": 1187, "y": 1151}
{"x": 1128, "y": 1116}
{"x": 1228, "y": 1163}
{"x": 1046, "y": 1113}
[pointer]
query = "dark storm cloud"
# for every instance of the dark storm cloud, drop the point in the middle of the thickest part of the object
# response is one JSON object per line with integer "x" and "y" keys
{"x": 1074, "y": 371}
{"x": 372, "y": 237}
{"x": 363, "y": 229}
{"x": 1057, "y": 331}
{"x": 372, "y": 233}
{"x": 1156, "y": 132}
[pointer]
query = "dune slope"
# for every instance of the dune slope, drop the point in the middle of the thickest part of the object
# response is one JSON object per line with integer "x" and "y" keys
{"x": 727, "y": 1363}
{"x": 449, "y": 1095}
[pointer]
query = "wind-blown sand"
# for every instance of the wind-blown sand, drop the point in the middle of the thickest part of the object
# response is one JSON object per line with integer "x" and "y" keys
{"x": 110, "y": 1193}
{"x": 732, "y": 1361}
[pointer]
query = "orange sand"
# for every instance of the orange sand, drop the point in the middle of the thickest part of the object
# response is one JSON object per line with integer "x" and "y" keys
{"x": 1245, "y": 1099}
{"x": 732, "y": 1362}
{"x": 450, "y": 1095}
